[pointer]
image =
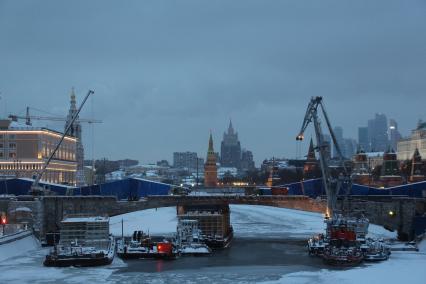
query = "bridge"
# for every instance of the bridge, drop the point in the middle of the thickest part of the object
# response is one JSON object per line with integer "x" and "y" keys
{"x": 392, "y": 212}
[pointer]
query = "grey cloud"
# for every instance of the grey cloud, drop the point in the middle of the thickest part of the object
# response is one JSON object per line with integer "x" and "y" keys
{"x": 165, "y": 72}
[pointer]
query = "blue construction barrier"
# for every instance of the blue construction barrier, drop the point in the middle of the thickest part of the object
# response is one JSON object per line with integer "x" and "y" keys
{"x": 122, "y": 189}
{"x": 22, "y": 186}
{"x": 314, "y": 188}
{"x": 311, "y": 188}
{"x": 127, "y": 188}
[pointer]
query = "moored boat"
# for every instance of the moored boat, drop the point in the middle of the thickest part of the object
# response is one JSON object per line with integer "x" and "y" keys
{"x": 189, "y": 240}
{"x": 141, "y": 245}
{"x": 85, "y": 241}
{"x": 80, "y": 256}
{"x": 213, "y": 221}
{"x": 342, "y": 256}
{"x": 375, "y": 251}
{"x": 344, "y": 242}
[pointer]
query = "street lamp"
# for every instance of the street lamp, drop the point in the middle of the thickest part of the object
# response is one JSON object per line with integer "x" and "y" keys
{"x": 3, "y": 221}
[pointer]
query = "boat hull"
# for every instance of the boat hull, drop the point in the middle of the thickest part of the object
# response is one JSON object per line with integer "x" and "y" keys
{"x": 77, "y": 262}
{"x": 220, "y": 243}
{"x": 146, "y": 255}
{"x": 82, "y": 260}
{"x": 342, "y": 260}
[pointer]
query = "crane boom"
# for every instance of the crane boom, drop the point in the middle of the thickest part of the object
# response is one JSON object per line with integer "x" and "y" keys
{"x": 51, "y": 118}
{"x": 35, "y": 188}
{"x": 331, "y": 185}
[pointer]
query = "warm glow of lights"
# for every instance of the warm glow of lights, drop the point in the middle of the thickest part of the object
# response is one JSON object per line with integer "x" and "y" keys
{"x": 240, "y": 183}
{"x": 391, "y": 213}
{"x": 327, "y": 213}
{"x": 47, "y": 132}
{"x": 22, "y": 162}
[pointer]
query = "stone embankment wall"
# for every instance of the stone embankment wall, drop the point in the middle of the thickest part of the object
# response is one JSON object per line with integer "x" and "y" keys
{"x": 48, "y": 211}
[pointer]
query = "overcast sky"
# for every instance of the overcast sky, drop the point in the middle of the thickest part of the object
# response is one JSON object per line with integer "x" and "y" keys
{"x": 165, "y": 73}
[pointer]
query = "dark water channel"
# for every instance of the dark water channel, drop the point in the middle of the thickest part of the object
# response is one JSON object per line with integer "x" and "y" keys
{"x": 248, "y": 260}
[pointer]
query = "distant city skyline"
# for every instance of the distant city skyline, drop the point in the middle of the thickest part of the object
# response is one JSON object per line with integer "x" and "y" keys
{"x": 166, "y": 73}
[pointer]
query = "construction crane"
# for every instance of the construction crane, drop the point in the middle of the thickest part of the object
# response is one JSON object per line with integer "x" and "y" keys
{"x": 29, "y": 117}
{"x": 332, "y": 185}
{"x": 35, "y": 187}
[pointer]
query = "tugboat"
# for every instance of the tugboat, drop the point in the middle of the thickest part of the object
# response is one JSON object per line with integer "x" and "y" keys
{"x": 85, "y": 241}
{"x": 316, "y": 245}
{"x": 375, "y": 250}
{"x": 188, "y": 239}
{"x": 343, "y": 241}
{"x": 141, "y": 245}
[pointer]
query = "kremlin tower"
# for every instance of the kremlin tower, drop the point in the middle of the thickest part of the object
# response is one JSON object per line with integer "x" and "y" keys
{"x": 210, "y": 168}
{"x": 416, "y": 167}
{"x": 361, "y": 169}
{"x": 390, "y": 175}
{"x": 310, "y": 167}
{"x": 273, "y": 179}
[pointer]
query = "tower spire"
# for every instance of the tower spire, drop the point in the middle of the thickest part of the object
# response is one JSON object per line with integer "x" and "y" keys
{"x": 230, "y": 127}
{"x": 311, "y": 151}
{"x": 76, "y": 132}
{"x": 210, "y": 168}
{"x": 210, "y": 150}
{"x": 73, "y": 106}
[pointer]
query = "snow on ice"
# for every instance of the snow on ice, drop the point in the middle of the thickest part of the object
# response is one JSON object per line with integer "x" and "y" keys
{"x": 21, "y": 261}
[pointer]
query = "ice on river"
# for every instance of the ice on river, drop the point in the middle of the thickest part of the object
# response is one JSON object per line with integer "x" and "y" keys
{"x": 21, "y": 262}
{"x": 402, "y": 267}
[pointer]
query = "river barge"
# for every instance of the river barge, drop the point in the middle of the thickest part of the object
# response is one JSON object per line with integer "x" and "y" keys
{"x": 213, "y": 221}
{"x": 85, "y": 241}
{"x": 189, "y": 240}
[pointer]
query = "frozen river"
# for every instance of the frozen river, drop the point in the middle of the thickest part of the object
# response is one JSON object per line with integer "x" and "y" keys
{"x": 269, "y": 246}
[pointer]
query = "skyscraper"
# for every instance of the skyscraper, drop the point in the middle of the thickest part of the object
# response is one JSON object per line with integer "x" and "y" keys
{"x": 210, "y": 168}
{"x": 327, "y": 145}
{"x": 338, "y": 132}
{"x": 230, "y": 150}
{"x": 394, "y": 135}
{"x": 349, "y": 148}
{"x": 363, "y": 142}
{"x": 75, "y": 131}
{"x": 378, "y": 133}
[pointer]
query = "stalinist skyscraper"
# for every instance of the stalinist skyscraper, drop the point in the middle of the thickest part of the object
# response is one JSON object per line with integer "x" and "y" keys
{"x": 210, "y": 168}
{"x": 75, "y": 131}
{"x": 230, "y": 151}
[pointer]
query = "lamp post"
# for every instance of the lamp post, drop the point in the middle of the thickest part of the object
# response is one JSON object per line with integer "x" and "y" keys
{"x": 3, "y": 221}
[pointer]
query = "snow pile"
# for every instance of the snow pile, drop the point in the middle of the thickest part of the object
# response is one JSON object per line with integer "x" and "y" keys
{"x": 402, "y": 267}
{"x": 155, "y": 221}
{"x": 18, "y": 247}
